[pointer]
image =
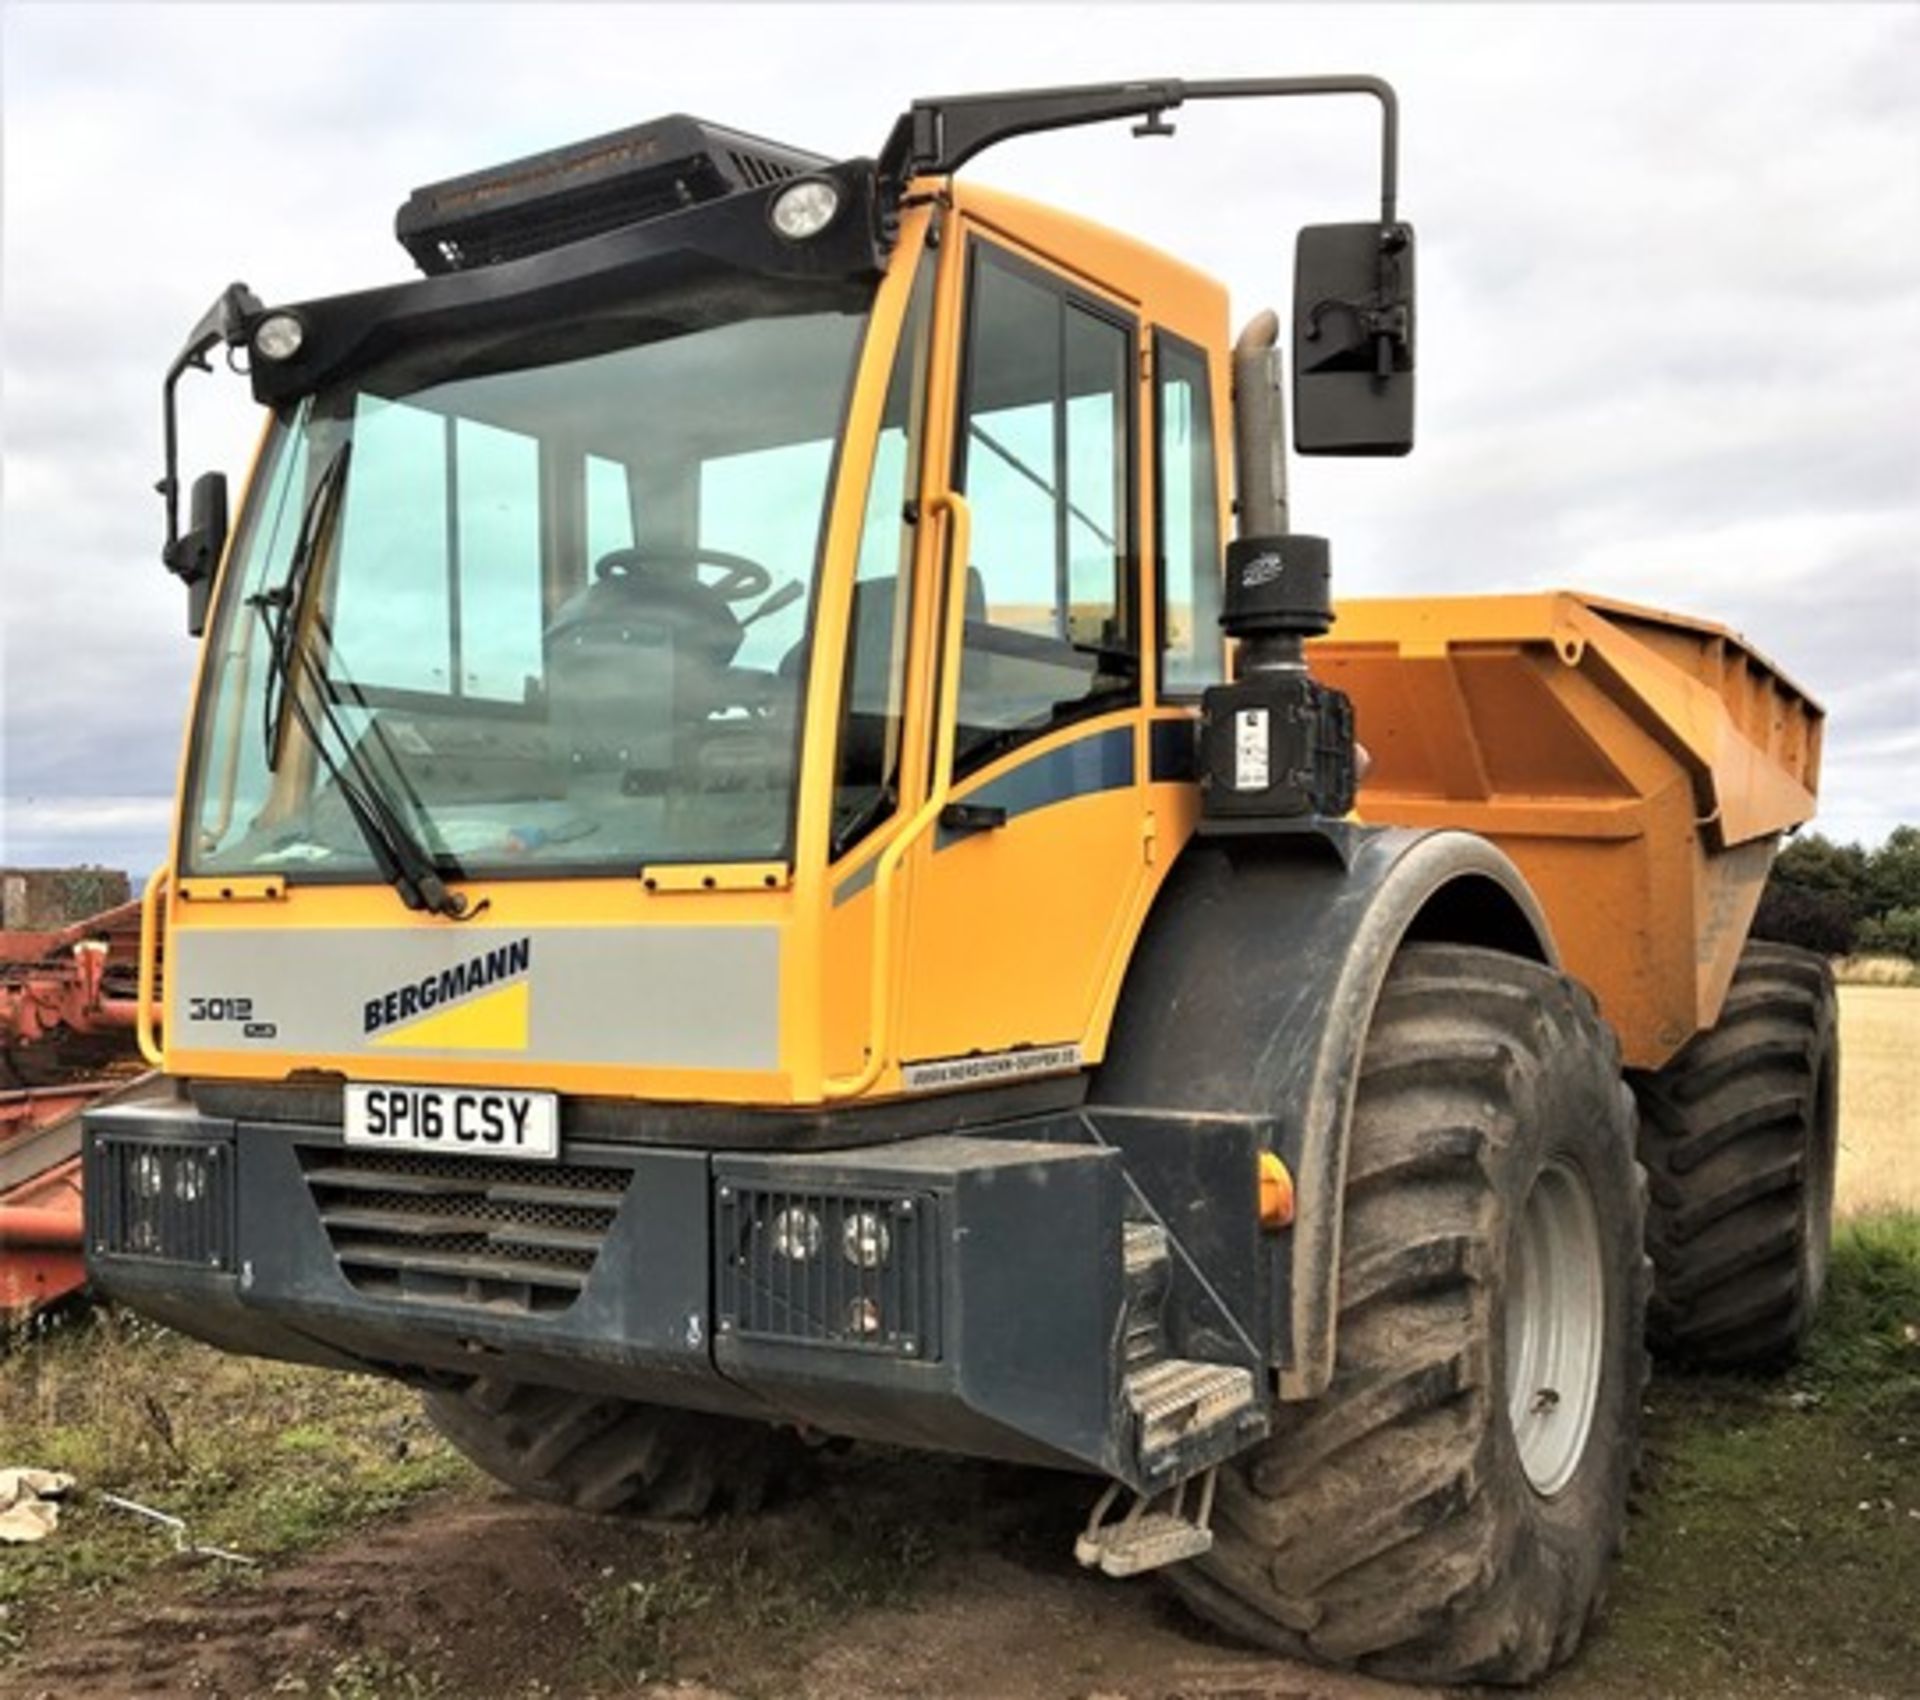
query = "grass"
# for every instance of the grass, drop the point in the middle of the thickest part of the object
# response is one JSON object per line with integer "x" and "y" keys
{"x": 1776, "y": 1550}
{"x": 761, "y": 1582}
{"x": 1879, "y": 1099}
{"x": 375, "y": 1676}
{"x": 261, "y": 1458}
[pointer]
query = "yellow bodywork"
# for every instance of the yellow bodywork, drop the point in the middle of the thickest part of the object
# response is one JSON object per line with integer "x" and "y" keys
{"x": 1637, "y": 767}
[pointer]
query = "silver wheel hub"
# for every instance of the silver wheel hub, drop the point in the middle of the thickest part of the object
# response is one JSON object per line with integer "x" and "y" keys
{"x": 1556, "y": 1322}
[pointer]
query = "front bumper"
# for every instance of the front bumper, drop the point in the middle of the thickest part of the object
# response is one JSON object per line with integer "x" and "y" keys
{"x": 932, "y": 1308}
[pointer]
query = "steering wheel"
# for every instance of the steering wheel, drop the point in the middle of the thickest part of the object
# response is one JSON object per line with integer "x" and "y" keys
{"x": 740, "y": 578}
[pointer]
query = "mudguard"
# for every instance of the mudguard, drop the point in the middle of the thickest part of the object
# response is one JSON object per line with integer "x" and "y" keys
{"x": 1251, "y": 991}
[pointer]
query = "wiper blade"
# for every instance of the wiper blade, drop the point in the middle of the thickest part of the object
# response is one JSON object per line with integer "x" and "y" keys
{"x": 401, "y": 859}
{"x": 279, "y": 607}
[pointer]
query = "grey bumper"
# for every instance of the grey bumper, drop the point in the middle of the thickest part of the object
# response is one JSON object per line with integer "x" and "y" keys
{"x": 929, "y": 1309}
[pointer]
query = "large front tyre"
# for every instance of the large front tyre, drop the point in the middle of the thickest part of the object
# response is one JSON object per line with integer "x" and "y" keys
{"x": 1449, "y": 1509}
{"x": 612, "y": 1455}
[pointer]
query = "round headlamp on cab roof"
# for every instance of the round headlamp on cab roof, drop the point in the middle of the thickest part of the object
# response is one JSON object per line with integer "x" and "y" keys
{"x": 278, "y": 336}
{"x": 805, "y": 208}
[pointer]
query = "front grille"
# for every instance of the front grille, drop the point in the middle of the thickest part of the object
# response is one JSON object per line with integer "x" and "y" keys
{"x": 785, "y": 1270}
{"x": 166, "y": 1200}
{"x": 463, "y": 1230}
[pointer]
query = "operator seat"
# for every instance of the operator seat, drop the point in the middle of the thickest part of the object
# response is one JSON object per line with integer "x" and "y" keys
{"x": 635, "y": 664}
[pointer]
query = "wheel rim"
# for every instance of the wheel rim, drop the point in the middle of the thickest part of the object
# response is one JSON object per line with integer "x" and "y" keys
{"x": 1556, "y": 1321}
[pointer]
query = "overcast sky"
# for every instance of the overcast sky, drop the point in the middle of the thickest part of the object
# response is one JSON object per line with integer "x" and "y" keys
{"x": 1670, "y": 292}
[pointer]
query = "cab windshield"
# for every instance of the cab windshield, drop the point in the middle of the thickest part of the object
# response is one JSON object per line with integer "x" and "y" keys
{"x": 550, "y": 600}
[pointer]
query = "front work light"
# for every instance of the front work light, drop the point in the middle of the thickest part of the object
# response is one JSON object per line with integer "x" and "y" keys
{"x": 278, "y": 337}
{"x": 866, "y": 1240}
{"x": 805, "y": 208}
{"x": 796, "y": 1234}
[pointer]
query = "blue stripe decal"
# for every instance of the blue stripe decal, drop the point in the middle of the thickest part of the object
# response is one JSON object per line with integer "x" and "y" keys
{"x": 855, "y": 883}
{"x": 1103, "y": 762}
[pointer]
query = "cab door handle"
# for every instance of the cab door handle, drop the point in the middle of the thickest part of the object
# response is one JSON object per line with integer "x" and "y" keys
{"x": 972, "y": 817}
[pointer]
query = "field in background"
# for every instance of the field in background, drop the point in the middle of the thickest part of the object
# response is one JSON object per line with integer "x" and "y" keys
{"x": 1879, "y": 1098}
{"x": 1876, "y": 971}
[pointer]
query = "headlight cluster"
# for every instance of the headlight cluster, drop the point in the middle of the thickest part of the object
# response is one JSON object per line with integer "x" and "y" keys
{"x": 170, "y": 1199}
{"x": 821, "y": 1266}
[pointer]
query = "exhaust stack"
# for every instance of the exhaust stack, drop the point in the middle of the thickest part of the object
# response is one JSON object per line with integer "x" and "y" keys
{"x": 1260, "y": 429}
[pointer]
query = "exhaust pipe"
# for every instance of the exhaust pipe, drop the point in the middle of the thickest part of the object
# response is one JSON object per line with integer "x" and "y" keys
{"x": 1260, "y": 429}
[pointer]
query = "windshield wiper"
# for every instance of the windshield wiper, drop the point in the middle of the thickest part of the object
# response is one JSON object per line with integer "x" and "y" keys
{"x": 279, "y": 607}
{"x": 403, "y": 862}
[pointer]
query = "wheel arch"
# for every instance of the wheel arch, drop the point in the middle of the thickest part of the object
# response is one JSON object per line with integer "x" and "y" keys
{"x": 1251, "y": 989}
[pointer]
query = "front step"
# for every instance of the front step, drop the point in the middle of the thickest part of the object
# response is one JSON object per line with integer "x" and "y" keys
{"x": 1154, "y": 1539}
{"x": 1188, "y": 1415}
{"x": 1146, "y": 1540}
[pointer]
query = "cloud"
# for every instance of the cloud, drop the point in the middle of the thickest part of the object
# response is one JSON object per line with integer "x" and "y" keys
{"x": 1670, "y": 290}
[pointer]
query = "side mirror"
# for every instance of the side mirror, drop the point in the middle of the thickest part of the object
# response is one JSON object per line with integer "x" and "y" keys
{"x": 1353, "y": 339}
{"x": 196, "y": 556}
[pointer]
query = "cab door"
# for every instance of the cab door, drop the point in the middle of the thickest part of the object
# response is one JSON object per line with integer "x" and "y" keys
{"x": 1021, "y": 896}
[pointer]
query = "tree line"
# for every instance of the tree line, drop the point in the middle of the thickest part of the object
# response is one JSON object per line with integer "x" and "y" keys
{"x": 1845, "y": 900}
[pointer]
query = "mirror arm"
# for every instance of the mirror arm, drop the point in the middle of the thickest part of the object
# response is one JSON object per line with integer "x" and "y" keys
{"x": 1260, "y": 88}
{"x": 225, "y": 321}
{"x": 936, "y": 137}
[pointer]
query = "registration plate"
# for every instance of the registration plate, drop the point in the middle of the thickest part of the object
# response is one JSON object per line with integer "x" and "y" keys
{"x": 476, "y": 1120}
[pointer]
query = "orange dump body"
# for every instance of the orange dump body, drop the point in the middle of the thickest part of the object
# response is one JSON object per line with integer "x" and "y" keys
{"x": 1639, "y": 767}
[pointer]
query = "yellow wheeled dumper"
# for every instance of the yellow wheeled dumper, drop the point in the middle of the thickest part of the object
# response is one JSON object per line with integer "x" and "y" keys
{"x": 752, "y": 864}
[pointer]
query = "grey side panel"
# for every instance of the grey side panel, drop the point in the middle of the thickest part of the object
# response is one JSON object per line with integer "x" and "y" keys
{"x": 665, "y": 997}
{"x": 1251, "y": 992}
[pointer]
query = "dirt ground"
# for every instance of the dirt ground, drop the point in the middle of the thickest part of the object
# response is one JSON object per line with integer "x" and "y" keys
{"x": 482, "y": 1597}
{"x": 470, "y": 1595}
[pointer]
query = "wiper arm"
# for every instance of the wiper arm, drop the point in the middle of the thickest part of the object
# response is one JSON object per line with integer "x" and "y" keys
{"x": 402, "y": 861}
{"x": 279, "y": 607}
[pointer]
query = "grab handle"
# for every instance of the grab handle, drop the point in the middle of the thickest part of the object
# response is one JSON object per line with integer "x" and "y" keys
{"x": 881, "y": 998}
{"x": 146, "y": 990}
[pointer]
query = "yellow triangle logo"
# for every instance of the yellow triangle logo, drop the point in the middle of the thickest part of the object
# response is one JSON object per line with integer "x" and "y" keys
{"x": 494, "y": 1022}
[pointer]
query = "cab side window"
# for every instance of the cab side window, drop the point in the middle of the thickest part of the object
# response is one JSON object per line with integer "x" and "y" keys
{"x": 1043, "y": 457}
{"x": 1190, "y": 560}
{"x": 866, "y": 786}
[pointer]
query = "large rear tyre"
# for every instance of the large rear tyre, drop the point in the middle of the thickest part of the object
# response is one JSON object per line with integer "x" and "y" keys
{"x": 1739, "y": 1134}
{"x": 1449, "y": 1509}
{"x": 612, "y": 1455}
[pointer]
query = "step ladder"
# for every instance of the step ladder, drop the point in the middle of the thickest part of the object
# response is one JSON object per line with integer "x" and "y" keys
{"x": 1187, "y": 1418}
